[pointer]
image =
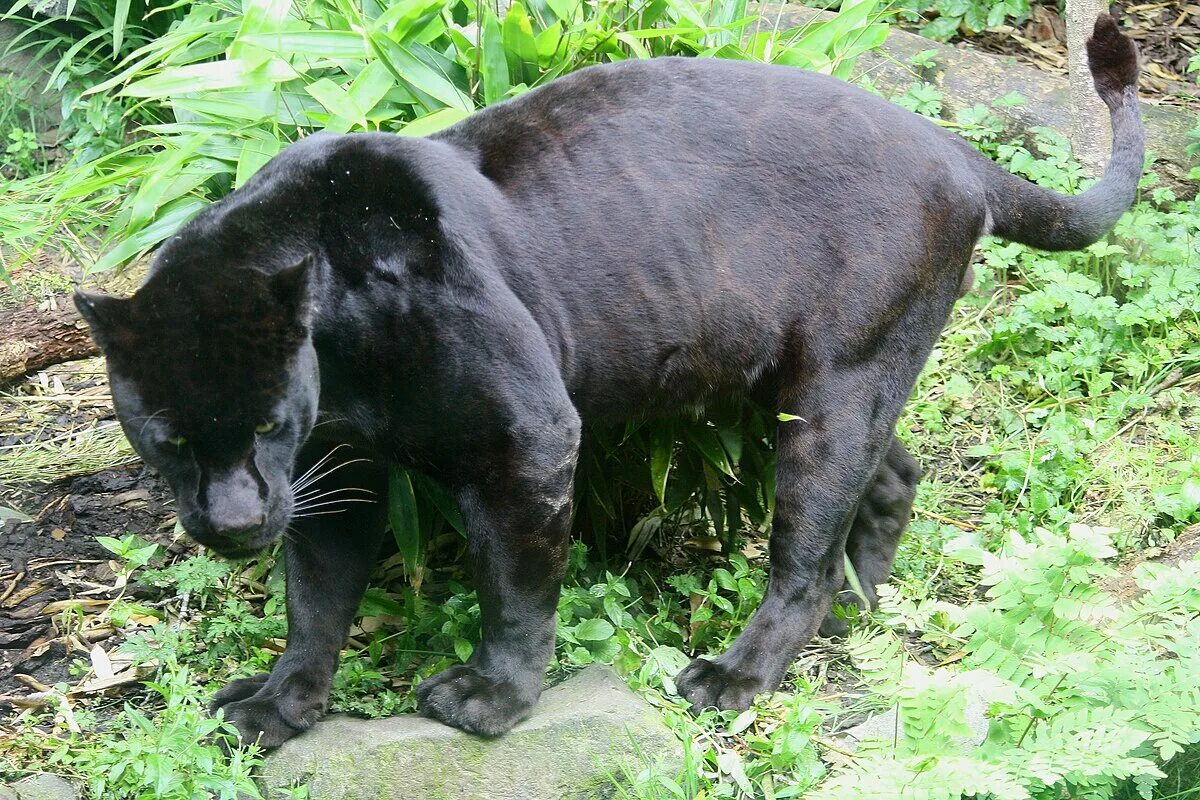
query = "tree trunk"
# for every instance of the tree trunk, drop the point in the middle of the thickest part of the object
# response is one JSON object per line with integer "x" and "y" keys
{"x": 33, "y": 336}
{"x": 1091, "y": 136}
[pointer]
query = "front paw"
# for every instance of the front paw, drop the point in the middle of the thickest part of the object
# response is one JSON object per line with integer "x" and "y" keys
{"x": 710, "y": 684}
{"x": 263, "y": 715}
{"x": 463, "y": 698}
{"x": 260, "y": 721}
{"x": 239, "y": 689}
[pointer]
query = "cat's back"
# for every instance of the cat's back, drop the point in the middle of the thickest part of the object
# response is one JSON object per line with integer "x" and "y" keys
{"x": 686, "y": 114}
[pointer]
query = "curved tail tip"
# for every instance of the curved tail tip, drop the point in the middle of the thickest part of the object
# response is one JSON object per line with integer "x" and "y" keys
{"x": 1112, "y": 58}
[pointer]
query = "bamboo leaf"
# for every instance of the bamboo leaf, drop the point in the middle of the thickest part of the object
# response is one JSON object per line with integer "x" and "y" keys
{"x": 709, "y": 445}
{"x": 443, "y": 501}
{"x": 421, "y": 77}
{"x": 120, "y": 19}
{"x": 402, "y": 515}
{"x": 167, "y": 167}
{"x": 312, "y": 44}
{"x": 335, "y": 100}
{"x": 494, "y": 66}
{"x": 256, "y": 152}
{"x": 406, "y": 19}
{"x": 662, "y": 444}
{"x": 227, "y": 74}
{"x": 370, "y": 86}
{"x": 520, "y": 46}
{"x": 7, "y": 513}
{"x": 432, "y": 123}
{"x": 170, "y": 218}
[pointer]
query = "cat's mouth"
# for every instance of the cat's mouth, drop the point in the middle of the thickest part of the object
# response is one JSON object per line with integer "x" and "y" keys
{"x": 238, "y": 552}
{"x": 237, "y": 549}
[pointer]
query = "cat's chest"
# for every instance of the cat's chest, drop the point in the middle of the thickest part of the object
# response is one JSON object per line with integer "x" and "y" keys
{"x": 391, "y": 426}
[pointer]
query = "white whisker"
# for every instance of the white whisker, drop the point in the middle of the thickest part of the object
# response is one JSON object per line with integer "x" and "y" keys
{"x": 329, "y": 472}
{"x": 315, "y": 494}
{"x": 317, "y": 513}
{"x": 147, "y": 421}
{"x": 317, "y": 465}
{"x": 331, "y": 503}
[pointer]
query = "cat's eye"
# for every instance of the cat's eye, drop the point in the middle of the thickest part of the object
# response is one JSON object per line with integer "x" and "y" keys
{"x": 266, "y": 427}
{"x": 178, "y": 441}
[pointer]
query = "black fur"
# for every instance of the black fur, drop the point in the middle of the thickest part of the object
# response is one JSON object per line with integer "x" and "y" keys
{"x": 631, "y": 239}
{"x": 1113, "y": 60}
{"x": 1053, "y": 222}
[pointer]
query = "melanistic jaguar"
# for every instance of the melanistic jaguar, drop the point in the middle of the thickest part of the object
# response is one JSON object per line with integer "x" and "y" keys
{"x": 631, "y": 239}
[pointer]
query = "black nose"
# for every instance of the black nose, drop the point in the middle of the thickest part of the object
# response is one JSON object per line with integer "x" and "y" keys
{"x": 235, "y": 527}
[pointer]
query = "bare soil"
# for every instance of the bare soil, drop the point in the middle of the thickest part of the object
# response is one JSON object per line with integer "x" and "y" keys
{"x": 57, "y": 558}
{"x": 1167, "y": 35}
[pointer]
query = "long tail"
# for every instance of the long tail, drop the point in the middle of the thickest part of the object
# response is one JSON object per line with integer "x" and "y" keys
{"x": 1026, "y": 213}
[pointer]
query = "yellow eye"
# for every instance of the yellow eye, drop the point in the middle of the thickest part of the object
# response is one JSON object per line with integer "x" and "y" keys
{"x": 267, "y": 427}
{"x": 178, "y": 441}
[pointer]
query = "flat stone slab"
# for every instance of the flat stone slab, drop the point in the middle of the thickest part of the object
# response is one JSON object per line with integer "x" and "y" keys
{"x": 39, "y": 787}
{"x": 583, "y": 733}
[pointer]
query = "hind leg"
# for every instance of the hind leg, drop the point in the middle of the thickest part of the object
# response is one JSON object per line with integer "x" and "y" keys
{"x": 882, "y": 515}
{"x": 843, "y": 398}
{"x": 824, "y": 463}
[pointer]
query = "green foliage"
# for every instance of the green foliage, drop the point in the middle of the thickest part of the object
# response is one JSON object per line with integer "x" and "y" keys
{"x": 706, "y": 475}
{"x": 199, "y": 576}
{"x": 1083, "y": 696}
{"x": 721, "y": 606}
{"x": 18, "y": 130}
{"x": 953, "y": 17}
{"x": 175, "y": 751}
{"x": 21, "y": 150}
{"x": 7, "y": 513}
{"x": 221, "y": 88}
{"x": 133, "y": 551}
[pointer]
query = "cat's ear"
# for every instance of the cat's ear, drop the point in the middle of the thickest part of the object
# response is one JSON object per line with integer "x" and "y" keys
{"x": 110, "y": 318}
{"x": 292, "y": 287}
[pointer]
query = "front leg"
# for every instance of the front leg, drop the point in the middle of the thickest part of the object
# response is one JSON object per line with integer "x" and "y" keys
{"x": 517, "y": 514}
{"x": 329, "y": 552}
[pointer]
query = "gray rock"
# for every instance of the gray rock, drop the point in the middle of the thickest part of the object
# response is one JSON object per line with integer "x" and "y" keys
{"x": 51, "y": 8}
{"x": 20, "y": 63}
{"x": 583, "y": 733}
{"x": 8, "y": 793}
{"x": 883, "y": 726}
{"x": 886, "y": 725}
{"x": 43, "y": 787}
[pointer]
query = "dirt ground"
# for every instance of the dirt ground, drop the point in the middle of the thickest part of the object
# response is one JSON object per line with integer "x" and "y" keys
{"x": 56, "y": 557}
{"x": 1167, "y": 36}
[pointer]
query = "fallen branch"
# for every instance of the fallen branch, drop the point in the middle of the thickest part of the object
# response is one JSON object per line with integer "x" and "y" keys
{"x": 34, "y": 336}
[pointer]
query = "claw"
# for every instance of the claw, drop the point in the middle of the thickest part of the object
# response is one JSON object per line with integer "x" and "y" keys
{"x": 464, "y": 698}
{"x": 710, "y": 684}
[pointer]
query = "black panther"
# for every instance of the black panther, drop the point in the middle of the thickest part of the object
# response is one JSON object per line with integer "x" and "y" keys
{"x": 631, "y": 239}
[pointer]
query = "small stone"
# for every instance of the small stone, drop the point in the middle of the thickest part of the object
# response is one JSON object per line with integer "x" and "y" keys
{"x": 886, "y": 725}
{"x": 583, "y": 733}
{"x": 44, "y": 787}
{"x": 881, "y": 726}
